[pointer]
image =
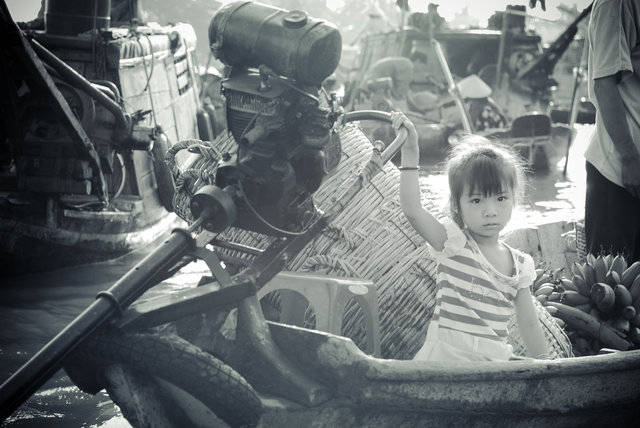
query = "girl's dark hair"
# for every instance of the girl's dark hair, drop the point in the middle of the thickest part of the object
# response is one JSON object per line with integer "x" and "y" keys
{"x": 485, "y": 166}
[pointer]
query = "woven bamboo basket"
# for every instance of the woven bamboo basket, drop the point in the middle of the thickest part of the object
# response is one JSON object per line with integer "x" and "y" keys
{"x": 581, "y": 240}
{"x": 369, "y": 239}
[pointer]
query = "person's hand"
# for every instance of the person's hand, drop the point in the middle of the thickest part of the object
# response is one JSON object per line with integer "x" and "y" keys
{"x": 410, "y": 147}
{"x": 631, "y": 176}
{"x": 532, "y": 4}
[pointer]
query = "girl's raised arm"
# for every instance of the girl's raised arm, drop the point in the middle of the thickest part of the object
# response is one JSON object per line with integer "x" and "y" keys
{"x": 421, "y": 219}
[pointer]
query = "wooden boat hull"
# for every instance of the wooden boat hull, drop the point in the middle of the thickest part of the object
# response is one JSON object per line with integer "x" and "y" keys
{"x": 98, "y": 236}
{"x": 593, "y": 391}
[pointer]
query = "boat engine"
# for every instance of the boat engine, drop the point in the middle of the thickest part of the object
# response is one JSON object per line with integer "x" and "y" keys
{"x": 280, "y": 120}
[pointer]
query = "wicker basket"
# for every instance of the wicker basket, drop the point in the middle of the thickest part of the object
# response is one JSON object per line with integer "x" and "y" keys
{"x": 370, "y": 239}
{"x": 581, "y": 240}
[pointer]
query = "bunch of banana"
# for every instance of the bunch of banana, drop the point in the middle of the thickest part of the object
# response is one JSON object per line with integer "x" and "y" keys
{"x": 599, "y": 306}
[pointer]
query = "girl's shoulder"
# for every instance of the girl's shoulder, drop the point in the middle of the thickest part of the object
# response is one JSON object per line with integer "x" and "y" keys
{"x": 524, "y": 264}
{"x": 456, "y": 238}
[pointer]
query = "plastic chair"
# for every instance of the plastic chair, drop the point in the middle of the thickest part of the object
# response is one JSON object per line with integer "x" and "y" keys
{"x": 328, "y": 295}
{"x": 530, "y": 134}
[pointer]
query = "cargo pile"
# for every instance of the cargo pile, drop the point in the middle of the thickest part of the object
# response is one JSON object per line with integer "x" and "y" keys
{"x": 598, "y": 306}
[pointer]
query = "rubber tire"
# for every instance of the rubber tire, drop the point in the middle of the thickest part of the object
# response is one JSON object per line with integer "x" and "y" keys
{"x": 169, "y": 357}
{"x": 162, "y": 173}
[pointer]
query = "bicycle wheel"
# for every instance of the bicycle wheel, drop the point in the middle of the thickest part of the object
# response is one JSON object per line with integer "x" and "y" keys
{"x": 172, "y": 360}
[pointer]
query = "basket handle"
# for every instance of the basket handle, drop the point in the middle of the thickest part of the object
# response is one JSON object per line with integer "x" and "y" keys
{"x": 384, "y": 116}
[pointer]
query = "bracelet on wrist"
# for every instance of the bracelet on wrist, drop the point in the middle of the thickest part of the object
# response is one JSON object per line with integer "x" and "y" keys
{"x": 408, "y": 168}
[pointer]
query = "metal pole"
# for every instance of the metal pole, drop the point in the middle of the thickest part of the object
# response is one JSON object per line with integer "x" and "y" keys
{"x": 573, "y": 113}
{"x": 454, "y": 90}
{"x": 108, "y": 305}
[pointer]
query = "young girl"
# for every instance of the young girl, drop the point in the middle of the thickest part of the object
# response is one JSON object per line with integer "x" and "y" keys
{"x": 480, "y": 279}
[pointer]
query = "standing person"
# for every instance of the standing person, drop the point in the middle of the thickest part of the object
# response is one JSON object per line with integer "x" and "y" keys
{"x": 612, "y": 203}
{"x": 480, "y": 280}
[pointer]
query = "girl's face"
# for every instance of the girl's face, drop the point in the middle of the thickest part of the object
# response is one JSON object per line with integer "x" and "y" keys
{"x": 486, "y": 216}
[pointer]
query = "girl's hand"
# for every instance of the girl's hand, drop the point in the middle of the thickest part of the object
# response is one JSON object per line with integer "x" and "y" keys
{"x": 410, "y": 148}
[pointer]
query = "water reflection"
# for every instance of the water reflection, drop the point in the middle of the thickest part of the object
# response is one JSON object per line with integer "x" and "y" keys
{"x": 34, "y": 308}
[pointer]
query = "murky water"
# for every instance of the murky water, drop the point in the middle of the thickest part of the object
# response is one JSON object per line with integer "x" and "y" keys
{"x": 34, "y": 308}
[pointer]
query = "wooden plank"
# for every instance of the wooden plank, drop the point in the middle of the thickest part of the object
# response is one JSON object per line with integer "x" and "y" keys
{"x": 552, "y": 245}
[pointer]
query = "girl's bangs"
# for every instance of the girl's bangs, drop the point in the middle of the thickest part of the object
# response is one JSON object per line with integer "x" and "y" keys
{"x": 488, "y": 176}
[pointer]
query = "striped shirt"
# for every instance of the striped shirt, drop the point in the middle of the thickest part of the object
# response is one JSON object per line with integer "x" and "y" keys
{"x": 472, "y": 296}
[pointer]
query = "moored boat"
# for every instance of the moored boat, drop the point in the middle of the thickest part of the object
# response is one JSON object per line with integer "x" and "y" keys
{"x": 91, "y": 106}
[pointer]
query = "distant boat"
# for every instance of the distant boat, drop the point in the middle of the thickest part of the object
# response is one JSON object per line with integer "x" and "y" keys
{"x": 504, "y": 78}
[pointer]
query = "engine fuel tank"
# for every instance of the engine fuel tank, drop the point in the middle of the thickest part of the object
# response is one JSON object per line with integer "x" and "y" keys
{"x": 292, "y": 44}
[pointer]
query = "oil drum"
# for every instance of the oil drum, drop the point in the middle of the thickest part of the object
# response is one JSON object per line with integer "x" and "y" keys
{"x": 292, "y": 44}
{"x": 72, "y": 17}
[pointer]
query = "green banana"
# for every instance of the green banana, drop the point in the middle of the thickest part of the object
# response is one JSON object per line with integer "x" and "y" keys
{"x": 589, "y": 274}
{"x": 581, "y": 285}
{"x": 561, "y": 323}
{"x": 580, "y": 320}
{"x": 634, "y": 335}
{"x": 612, "y": 338}
{"x": 544, "y": 278}
{"x": 603, "y": 296}
{"x": 634, "y": 288}
{"x": 600, "y": 267}
{"x": 545, "y": 289}
{"x": 583, "y": 347}
{"x": 628, "y": 312}
{"x": 623, "y": 297}
{"x": 613, "y": 278}
{"x": 567, "y": 284}
{"x": 576, "y": 269}
{"x": 621, "y": 324}
{"x": 608, "y": 259}
{"x": 554, "y": 297}
{"x": 635, "y": 321}
{"x": 618, "y": 264}
{"x": 585, "y": 308}
{"x": 630, "y": 274}
{"x": 557, "y": 274}
{"x": 574, "y": 298}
